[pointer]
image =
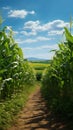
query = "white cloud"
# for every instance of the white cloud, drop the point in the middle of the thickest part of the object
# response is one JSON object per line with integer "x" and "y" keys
{"x": 56, "y": 32}
{"x": 37, "y": 39}
{"x": 15, "y": 32}
{"x": 19, "y": 13}
{"x": 33, "y": 33}
{"x": 43, "y": 39}
{"x": 49, "y": 47}
{"x": 29, "y": 40}
{"x": 46, "y": 55}
{"x": 6, "y": 7}
{"x": 62, "y": 24}
{"x": 31, "y": 12}
{"x": 20, "y": 41}
{"x": 58, "y": 23}
{"x": 27, "y": 48}
{"x": 36, "y": 26}
{"x": 41, "y": 54}
{"x": 9, "y": 27}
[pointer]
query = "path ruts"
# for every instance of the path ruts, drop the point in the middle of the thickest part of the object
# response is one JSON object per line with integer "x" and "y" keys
{"x": 35, "y": 116}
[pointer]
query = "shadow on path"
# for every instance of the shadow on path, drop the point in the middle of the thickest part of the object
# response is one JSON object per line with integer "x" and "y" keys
{"x": 35, "y": 116}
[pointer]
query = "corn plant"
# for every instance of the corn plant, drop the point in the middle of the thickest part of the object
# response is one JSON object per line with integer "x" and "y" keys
{"x": 57, "y": 82}
{"x": 14, "y": 71}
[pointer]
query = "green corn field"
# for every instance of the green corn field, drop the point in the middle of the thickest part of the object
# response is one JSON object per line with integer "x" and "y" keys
{"x": 14, "y": 71}
{"x": 57, "y": 81}
{"x": 18, "y": 76}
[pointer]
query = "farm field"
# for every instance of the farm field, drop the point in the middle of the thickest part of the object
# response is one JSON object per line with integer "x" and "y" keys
{"x": 18, "y": 80}
{"x": 39, "y": 67}
{"x": 44, "y": 103}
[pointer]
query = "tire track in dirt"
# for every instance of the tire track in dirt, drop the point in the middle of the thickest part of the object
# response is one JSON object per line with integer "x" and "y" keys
{"x": 35, "y": 116}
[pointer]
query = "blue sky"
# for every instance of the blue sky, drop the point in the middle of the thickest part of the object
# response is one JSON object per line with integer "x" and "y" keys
{"x": 37, "y": 24}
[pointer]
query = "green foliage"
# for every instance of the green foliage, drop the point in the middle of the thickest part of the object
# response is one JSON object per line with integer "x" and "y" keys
{"x": 14, "y": 71}
{"x": 15, "y": 75}
{"x": 57, "y": 82}
{"x": 10, "y": 108}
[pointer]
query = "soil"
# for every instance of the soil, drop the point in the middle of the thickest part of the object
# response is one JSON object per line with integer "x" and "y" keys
{"x": 36, "y": 116}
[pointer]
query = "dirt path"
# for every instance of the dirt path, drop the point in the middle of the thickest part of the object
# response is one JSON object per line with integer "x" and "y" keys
{"x": 36, "y": 117}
